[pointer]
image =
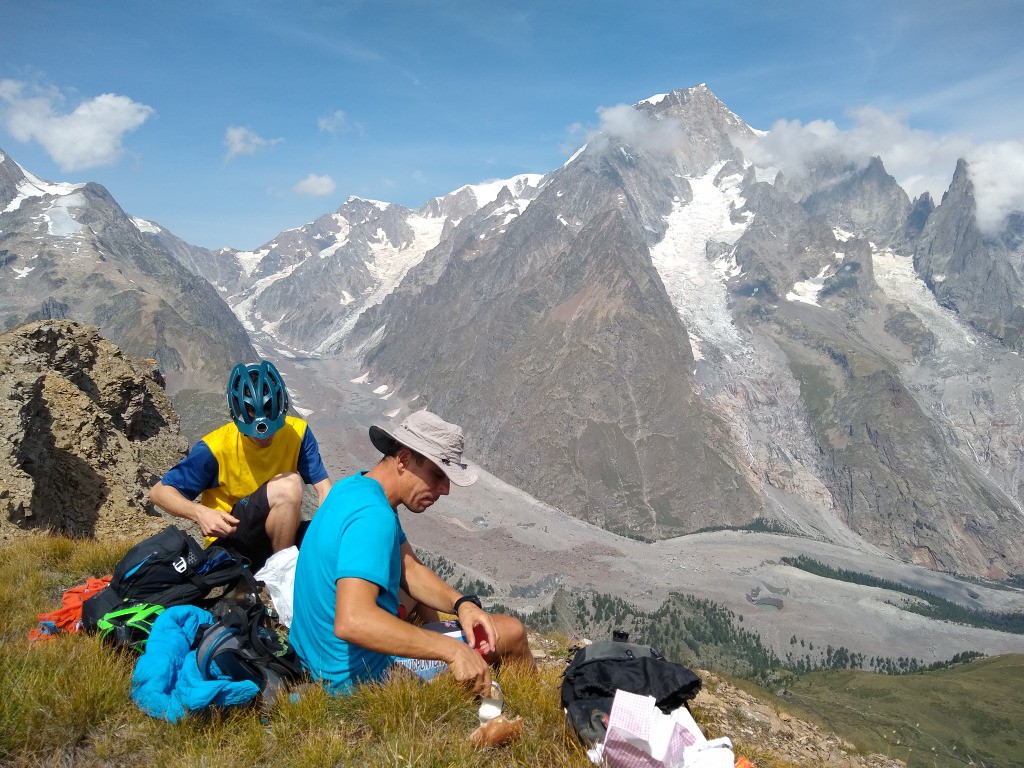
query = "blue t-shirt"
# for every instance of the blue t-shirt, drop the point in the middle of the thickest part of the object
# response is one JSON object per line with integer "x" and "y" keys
{"x": 355, "y": 533}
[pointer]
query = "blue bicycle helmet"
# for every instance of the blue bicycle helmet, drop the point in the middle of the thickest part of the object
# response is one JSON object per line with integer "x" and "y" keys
{"x": 257, "y": 399}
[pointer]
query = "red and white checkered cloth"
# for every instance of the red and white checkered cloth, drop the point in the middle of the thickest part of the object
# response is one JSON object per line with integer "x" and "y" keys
{"x": 641, "y": 736}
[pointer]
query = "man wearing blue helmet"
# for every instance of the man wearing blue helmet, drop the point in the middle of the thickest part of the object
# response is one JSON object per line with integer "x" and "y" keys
{"x": 249, "y": 473}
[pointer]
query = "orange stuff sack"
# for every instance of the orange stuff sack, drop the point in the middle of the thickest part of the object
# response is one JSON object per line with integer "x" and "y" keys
{"x": 68, "y": 618}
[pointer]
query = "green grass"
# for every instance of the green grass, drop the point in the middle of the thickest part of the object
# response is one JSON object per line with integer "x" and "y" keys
{"x": 949, "y": 717}
{"x": 66, "y": 701}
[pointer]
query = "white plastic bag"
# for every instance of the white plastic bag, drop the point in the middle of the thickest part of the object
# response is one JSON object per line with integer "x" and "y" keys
{"x": 279, "y": 575}
{"x": 642, "y": 736}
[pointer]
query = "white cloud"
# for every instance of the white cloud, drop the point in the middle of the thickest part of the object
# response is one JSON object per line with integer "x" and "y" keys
{"x": 244, "y": 141}
{"x": 919, "y": 160}
{"x": 87, "y": 137}
{"x": 637, "y": 129}
{"x": 315, "y": 185}
{"x": 336, "y": 122}
{"x": 997, "y": 170}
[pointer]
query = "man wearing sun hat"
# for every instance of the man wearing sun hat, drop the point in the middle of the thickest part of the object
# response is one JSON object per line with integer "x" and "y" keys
{"x": 355, "y": 557}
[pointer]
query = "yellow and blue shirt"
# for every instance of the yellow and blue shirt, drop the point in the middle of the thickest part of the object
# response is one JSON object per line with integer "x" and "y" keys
{"x": 226, "y": 466}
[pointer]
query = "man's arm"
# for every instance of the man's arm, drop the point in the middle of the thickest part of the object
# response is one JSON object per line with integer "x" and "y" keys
{"x": 359, "y": 620}
{"x": 322, "y": 489}
{"x": 210, "y": 521}
{"x": 426, "y": 587}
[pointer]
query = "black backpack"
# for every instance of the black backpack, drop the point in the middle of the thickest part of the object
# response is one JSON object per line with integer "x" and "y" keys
{"x": 244, "y": 644}
{"x": 598, "y": 670}
{"x": 169, "y": 568}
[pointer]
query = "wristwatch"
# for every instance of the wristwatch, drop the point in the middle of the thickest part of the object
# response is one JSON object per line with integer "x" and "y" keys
{"x": 467, "y": 599}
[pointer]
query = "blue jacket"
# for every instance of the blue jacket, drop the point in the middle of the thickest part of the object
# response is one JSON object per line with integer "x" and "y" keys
{"x": 167, "y": 682}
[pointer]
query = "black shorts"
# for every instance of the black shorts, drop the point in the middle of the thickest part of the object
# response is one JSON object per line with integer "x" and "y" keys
{"x": 250, "y": 538}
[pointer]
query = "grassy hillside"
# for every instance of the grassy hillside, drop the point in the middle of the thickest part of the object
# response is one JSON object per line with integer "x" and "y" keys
{"x": 66, "y": 701}
{"x": 969, "y": 714}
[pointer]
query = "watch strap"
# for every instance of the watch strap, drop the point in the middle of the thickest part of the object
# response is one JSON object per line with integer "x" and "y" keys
{"x": 467, "y": 599}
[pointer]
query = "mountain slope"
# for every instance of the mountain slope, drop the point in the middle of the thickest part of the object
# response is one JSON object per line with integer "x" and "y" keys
{"x": 557, "y": 313}
{"x": 758, "y": 370}
{"x": 69, "y": 251}
{"x": 308, "y": 287}
{"x": 975, "y": 274}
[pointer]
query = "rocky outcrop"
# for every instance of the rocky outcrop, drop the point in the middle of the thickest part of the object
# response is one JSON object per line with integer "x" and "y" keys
{"x": 784, "y": 245}
{"x": 866, "y": 200}
{"x": 85, "y": 430}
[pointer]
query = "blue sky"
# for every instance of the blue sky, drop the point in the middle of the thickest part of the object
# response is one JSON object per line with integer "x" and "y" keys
{"x": 229, "y": 121}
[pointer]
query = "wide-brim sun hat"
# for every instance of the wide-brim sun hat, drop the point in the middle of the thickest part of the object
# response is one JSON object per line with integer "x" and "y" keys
{"x": 431, "y": 436}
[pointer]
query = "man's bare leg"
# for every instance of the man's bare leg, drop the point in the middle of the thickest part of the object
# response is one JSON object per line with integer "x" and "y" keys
{"x": 284, "y": 497}
{"x": 513, "y": 644}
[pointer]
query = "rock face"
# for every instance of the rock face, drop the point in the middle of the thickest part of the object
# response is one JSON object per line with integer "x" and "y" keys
{"x": 867, "y": 201}
{"x": 85, "y": 430}
{"x": 570, "y": 329}
{"x": 975, "y": 274}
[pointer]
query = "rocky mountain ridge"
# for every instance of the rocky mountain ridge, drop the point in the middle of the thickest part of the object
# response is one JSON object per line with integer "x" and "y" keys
{"x": 803, "y": 384}
{"x": 85, "y": 430}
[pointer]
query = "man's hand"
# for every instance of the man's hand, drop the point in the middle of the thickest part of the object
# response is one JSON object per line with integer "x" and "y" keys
{"x": 210, "y": 521}
{"x": 214, "y": 523}
{"x": 478, "y": 629}
{"x": 470, "y": 668}
{"x": 359, "y": 620}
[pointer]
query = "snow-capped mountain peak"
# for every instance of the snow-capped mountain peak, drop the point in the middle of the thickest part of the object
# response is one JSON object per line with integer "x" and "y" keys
{"x": 30, "y": 186}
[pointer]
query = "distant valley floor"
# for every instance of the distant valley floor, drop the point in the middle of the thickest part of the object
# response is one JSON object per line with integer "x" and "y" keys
{"x": 529, "y": 549}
